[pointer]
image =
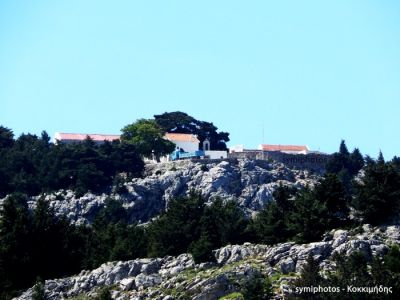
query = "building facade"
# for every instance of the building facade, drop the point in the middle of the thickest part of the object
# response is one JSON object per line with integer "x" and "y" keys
{"x": 68, "y": 138}
{"x": 184, "y": 141}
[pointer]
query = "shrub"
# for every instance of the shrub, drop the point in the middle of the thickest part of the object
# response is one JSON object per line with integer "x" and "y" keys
{"x": 257, "y": 287}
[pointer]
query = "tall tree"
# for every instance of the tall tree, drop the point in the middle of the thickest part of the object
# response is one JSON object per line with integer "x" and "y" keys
{"x": 377, "y": 198}
{"x": 343, "y": 148}
{"x": 356, "y": 161}
{"x": 177, "y": 227}
{"x": 6, "y": 137}
{"x": 147, "y": 136}
{"x": 309, "y": 217}
{"x": 343, "y": 162}
{"x": 16, "y": 244}
{"x": 331, "y": 192}
{"x": 221, "y": 223}
{"x": 180, "y": 122}
{"x": 270, "y": 225}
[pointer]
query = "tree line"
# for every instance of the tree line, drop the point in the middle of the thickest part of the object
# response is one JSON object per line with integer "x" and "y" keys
{"x": 33, "y": 165}
{"x": 353, "y": 277}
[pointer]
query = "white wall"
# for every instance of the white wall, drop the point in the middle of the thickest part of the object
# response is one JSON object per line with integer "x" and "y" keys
{"x": 214, "y": 154}
{"x": 236, "y": 148}
{"x": 187, "y": 146}
{"x": 295, "y": 152}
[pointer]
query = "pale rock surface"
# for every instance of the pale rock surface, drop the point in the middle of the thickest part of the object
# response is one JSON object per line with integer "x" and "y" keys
{"x": 250, "y": 183}
{"x": 161, "y": 278}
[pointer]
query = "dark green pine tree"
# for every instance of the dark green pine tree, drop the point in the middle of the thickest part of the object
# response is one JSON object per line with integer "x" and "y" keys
{"x": 309, "y": 275}
{"x": 270, "y": 225}
{"x": 6, "y": 138}
{"x": 282, "y": 196}
{"x": 58, "y": 245}
{"x": 177, "y": 227}
{"x": 221, "y": 224}
{"x": 377, "y": 198}
{"x": 309, "y": 217}
{"x": 381, "y": 159}
{"x": 331, "y": 192}
{"x": 396, "y": 162}
{"x": 16, "y": 245}
{"x": 392, "y": 266}
{"x": 339, "y": 160}
{"x": 344, "y": 164}
{"x": 350, "y": 271}
{"x": 356, "y": 161}
{"x": 343, "y": 149}
{"x": 201, "y": 249}
{"x": 392, "y": 259}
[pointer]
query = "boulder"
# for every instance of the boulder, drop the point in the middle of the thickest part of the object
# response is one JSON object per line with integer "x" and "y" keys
{"x": 127, "y": 284}
{"x": 287, "y": 265}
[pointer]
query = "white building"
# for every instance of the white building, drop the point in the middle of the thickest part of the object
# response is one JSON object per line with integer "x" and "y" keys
{"x": 190, "y": 143}
{"x": 184, "y": 141}
{"x": 289, "y": 149}
{"x": 69, "y": 138}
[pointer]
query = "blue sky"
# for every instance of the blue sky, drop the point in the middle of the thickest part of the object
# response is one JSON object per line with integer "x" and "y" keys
{"x": 308, "y": 72}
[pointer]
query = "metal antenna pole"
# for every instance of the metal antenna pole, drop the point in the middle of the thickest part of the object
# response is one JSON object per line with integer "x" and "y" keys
{"x": 262, "y": 150}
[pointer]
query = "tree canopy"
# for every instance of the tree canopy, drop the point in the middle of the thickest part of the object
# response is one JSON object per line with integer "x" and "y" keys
{"x": 377, "y": 198}
{"x": 31, "y": 164}
{"x": 6, "y": 137}
{"x": 148, "y": 138}
{"x": 180, "y": 122}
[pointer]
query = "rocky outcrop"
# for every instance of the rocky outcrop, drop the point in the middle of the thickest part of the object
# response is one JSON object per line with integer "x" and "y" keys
{"x": 249, "y": 182}
{"x": 179, "y": 277}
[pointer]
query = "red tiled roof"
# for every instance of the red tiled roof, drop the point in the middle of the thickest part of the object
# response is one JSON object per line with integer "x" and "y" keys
{"x": 284, "y": 148}
{"x": 181, "y": 137}
{"x": 82, "y": 136}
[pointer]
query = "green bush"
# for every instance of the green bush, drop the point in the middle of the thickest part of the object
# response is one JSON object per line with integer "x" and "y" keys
{"x": 104, "y": 294}
{"x": 39, "y": 291}
{"x": 257, "y": 287}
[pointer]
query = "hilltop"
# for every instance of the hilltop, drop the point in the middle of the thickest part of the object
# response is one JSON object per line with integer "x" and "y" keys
{"x": 248, "y": 182}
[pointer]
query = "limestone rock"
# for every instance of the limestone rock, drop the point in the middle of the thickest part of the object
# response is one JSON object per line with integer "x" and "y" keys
{"x": 250, "y": 183}
{"x": 153, "y": 278}
{"x": 287, "y": 265}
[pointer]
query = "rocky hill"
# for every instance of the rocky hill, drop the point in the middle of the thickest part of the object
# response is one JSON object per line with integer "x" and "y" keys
{"x": 180, "y": 278}
{"x": 249, "y": 182}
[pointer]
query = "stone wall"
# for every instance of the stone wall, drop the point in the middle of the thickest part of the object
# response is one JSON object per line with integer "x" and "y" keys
{"x": 312, "y": 161}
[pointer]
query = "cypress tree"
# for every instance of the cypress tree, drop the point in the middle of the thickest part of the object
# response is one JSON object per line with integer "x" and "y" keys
{"x": 356, "y": 161}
